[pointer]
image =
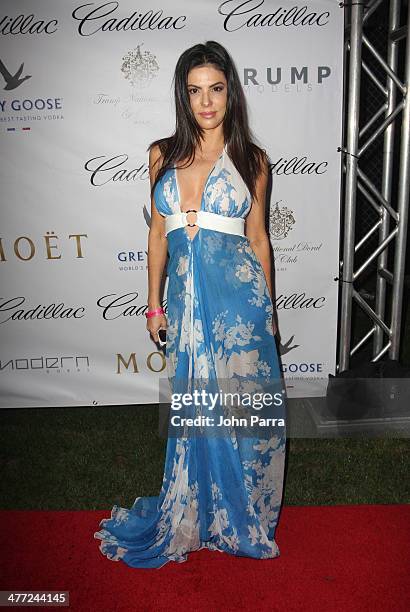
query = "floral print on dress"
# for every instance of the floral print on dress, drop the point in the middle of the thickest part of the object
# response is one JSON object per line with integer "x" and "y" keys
{"x": 223, "y": 492}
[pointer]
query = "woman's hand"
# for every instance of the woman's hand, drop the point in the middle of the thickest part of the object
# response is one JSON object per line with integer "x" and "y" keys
{"x": 153, "y": 325}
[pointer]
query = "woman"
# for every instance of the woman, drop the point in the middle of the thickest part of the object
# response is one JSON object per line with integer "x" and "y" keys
{"x": 221, "y": 490}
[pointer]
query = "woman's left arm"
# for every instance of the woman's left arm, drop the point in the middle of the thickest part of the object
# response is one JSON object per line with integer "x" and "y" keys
{"x": 255, "y": 225}
{"x": 255, "y": 228}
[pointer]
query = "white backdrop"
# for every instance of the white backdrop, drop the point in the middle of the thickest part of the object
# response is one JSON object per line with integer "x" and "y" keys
{"x": 76, "y": 121}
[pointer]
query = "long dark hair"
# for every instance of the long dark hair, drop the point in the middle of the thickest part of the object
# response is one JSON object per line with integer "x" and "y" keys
{"x": 245, "y": 154}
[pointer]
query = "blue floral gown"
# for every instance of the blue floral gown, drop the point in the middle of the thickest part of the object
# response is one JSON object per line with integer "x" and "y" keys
{"x": 220, "y": 492}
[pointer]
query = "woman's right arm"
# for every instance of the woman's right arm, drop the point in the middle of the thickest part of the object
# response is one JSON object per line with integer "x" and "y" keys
{"x": 157, "y": 250}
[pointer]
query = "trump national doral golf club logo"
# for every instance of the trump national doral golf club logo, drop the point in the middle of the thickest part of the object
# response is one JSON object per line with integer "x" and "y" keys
{"x": 139, "y": 68}
{"x": 281, "y": 221}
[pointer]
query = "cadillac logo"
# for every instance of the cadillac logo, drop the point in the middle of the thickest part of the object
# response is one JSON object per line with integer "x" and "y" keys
{"x": 281, "y": 221}
{"x": 139, "y": 68}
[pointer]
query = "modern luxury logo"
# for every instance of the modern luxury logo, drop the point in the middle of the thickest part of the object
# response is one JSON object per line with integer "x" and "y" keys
{"x": 55, "y": 364}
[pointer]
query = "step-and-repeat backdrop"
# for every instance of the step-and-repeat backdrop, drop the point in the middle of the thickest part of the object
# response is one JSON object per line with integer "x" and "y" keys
{"x": 85, "y": 87}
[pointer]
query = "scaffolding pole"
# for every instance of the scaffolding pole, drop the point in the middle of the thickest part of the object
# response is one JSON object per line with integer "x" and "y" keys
{"x": 386, "y": 335}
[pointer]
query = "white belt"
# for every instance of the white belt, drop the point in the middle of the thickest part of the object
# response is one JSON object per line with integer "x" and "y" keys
{"x": 207, "y": 220}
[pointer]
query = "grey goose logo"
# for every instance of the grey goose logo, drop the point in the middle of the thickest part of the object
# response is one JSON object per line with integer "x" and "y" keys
{"x": 13, "y": 80}
{"x": 287, "y": 346}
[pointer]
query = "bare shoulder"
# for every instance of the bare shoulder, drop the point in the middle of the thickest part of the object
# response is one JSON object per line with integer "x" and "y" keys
{"x": 155, "y": 154}
{"x": 261, "y": 168}
{"x": 263, "y": 160}
{"x": 155, "y": 160}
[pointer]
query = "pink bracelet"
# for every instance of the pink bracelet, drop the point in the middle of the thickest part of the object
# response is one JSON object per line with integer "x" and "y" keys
{"x": 155, "y": 312}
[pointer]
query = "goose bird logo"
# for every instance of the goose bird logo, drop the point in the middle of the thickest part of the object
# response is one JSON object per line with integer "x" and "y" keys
{"x": 13, "y": 80}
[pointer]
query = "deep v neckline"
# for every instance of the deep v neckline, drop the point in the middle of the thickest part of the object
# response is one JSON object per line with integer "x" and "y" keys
{"x": 204, "y": 188}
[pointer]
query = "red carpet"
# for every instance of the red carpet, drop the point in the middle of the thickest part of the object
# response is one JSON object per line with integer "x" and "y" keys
{"x": 333, "y": 558}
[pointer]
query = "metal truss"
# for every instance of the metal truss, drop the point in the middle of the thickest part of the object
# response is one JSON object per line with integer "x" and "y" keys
{"x": 391, "y": 227}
